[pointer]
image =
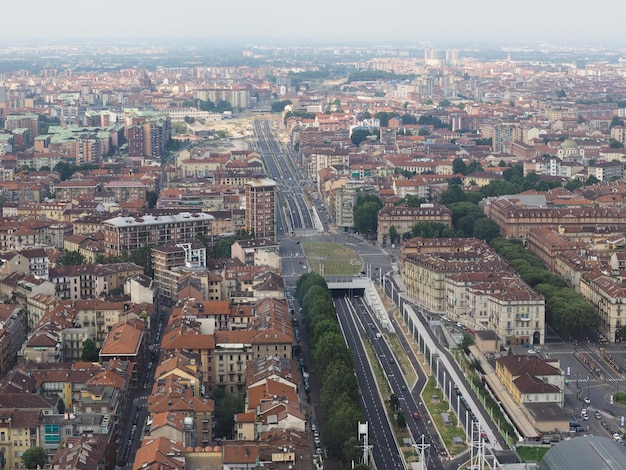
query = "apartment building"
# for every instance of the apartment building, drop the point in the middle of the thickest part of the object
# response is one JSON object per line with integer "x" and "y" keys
{"x": 403, "y": 218}
{"x": 345, "y": 202}
{"x": 497, "y": 301}
{"x": 130, "y": 233}
{"x": 515, "y": 220}
{"x": 91, "y": 280}
{"x": 71, "y": 189}
{"x": 425, "y": 273}
{"x": 608, "y": 295}
{"x": 261, "y": 207}
{"x": 548, "y": 244}
{"x": 172, "y": 261}
{"x": 125, "y": 191}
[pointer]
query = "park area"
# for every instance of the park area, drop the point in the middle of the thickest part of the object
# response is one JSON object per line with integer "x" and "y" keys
{"x": 336, "y": 259}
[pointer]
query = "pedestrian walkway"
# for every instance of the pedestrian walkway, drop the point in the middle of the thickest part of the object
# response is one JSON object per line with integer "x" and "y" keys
{"x": 511, "y": 407}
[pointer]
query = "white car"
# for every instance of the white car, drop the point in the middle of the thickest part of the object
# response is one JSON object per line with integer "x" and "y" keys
{"x": 587, "y": 400}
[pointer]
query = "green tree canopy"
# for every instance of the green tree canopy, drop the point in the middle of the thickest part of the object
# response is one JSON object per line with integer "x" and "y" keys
{"x": 151, "y": 198}
{"x": 411, "y": 201}
{"x": 359, "y": 135}
{"x": 338, "y": 380}
{"x": 366, "y": 218}
{"x": 486, "y": 229}
{"x": 431, "y": 230}
{"x": 34, "y": 457}
{"x": 223, "y": 246}
{"x": 227, "y": 405}
{"x": 451, "y": 195}
{"x": 142, "y": 256}
{"x": 279, "y": 106}
{"x": 331, "y": 347}
{"x": 71, "y": 258}
{"x": 90, "y": 352}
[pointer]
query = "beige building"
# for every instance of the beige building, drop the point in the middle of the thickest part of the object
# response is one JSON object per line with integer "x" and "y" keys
{"x": 403, "y": 219}
{"x": 497, "y": 301}
{"x": 607, "y": 294}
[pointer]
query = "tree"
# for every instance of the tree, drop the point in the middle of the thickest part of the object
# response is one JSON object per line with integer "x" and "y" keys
{"x": 458, "y": 166}
{"x": 366, "y": 218}
{"x": 616, "y": 121}
{"x": 466, "y": 342}
{"x": 34, "y": 457}
{"x": 65, "y": 170}
{"x": 451, "y": 195}
{"x": 473, "y": 166}
{"x": 486, "y": 229}
{"x": 90, "y": 352}
{"x": 393, "y": 234}
{"x": 431, "y": 230}
{"x": 279, "y": 106}
{"x": 72, "y": 258}
{"x": 615, "y": 144}
{"x": 143, "y": 257}
{"x": 151, "y": 199}
{"x": 338, "y": 380}
{"x": 359, "y": 135}
{"x": 227, "y": 405}
{"x": 222, "y": 248}
{"x": 401, "y": 420}
{"x": 411, "y": 201}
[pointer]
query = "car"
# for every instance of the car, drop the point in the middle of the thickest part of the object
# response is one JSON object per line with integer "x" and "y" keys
{"x": 587, "y": 400}
{"x": 403, "y": 388}
{"x": 617, "y": 436}
{"x": 585, "y": 417}
{"x": 391, "y": 360}
{"x": 583, "y": 411}
{"x": 415, "y": 415}
{"x": 597, "y": 414}
{"x": 313, "y": 427}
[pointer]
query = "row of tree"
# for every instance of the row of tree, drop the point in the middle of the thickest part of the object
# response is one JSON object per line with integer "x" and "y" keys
{"x": 567, "y": 311}
{"x": 339, "y": 389}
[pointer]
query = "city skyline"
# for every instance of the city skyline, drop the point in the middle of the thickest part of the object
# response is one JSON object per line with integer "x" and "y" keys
{"x": 324, "y": 21}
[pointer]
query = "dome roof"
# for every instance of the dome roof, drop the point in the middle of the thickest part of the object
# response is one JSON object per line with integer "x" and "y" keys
{"x": 584, "y": 453}
{"x": 569, "y": 144}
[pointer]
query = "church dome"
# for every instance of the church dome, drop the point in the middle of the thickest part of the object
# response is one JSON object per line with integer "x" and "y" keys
{"x": 569, "y": 144}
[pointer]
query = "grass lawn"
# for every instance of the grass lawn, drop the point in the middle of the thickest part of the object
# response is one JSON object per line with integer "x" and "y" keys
{"x": 336, "y": 258}
{"x": 531, "y": 454}
{"x": 436, "y": 406}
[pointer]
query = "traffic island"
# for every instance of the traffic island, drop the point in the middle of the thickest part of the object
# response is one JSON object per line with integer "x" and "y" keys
{"x": 444, "y": 420}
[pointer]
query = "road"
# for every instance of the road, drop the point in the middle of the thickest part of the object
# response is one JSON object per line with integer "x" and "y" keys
{"x": 384, "y": 448}
{"x": 294, "y": 214}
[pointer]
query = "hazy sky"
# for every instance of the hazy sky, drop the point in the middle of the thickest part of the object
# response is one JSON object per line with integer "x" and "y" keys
{"x": 588, "y": 22}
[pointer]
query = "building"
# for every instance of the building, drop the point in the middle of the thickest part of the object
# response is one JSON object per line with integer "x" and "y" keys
{"x": 403, "y": 218}
{"x": 425, "y": 272}
{"x": 585, "y": 453}
{"x": 517, "y": 215}
{"x": 346, "y": 199}
{"x": 261, "y": 208}
{"x": 497, "y": 301}
{"x": 172, "y": 261}
{"x": 130, "y": 233}
{"x": 530, "y": 379}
